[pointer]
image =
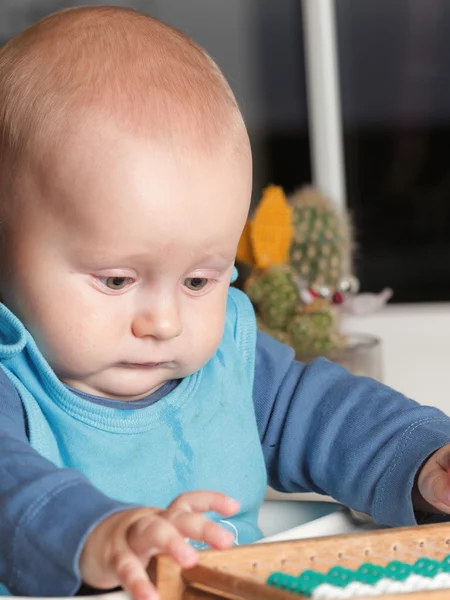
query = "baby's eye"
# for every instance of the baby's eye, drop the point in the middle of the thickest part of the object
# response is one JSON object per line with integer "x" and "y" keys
{"x": 195, "y": 284}
{"x": 116, "y": 283}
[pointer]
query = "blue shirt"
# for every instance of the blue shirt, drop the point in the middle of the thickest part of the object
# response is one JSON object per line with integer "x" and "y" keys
{"x": 321, "y": 429}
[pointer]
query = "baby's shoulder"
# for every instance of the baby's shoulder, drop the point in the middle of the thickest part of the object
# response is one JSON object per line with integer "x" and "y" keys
{"x": 8, "y": 393}
{"x": 10, "y": 400}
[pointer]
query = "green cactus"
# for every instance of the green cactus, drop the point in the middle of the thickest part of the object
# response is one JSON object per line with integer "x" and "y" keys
{"x": 319, "y": 257}
{"x": 308, "y": 333}
{"x": 312, "y": 333}
{"x": 276, "y": 294}
{"x": 320, "y": 248}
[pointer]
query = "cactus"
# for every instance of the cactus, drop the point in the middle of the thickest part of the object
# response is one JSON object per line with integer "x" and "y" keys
{"x": 320, "y": 247}
{"x": 275, "y": 293}
{"x": 313, "y": 333}
{"x": 301, "y": 268}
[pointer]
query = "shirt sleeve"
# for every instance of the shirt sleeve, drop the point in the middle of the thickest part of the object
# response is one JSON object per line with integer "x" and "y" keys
{"x": 326, "y": 430}
{"x": 46, "y": 512}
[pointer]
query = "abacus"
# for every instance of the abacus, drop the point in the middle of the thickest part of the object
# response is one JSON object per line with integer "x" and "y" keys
{"x": 408, "y": 562}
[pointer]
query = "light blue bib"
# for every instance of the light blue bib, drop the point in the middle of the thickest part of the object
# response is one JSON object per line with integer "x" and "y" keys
{"x": 202, "y": 435}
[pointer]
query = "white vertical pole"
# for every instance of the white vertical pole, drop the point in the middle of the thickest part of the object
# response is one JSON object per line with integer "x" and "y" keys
{"x": 324, "y": 106}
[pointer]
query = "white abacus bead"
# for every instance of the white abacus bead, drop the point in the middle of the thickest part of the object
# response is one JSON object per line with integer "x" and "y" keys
{"x": 322, "y": 591}
{"x": 442, "y": 580}
{"x": 361, "y": 589}
{"x": 338, "y": 593}
{"x": 325, "y": 591}
{"x": 416, "y": 583}
{"x": 395, "y": 587}
{"x": 343, "y": 593}
{"x": 350, "y": 590}
{"x": 382, "y": 586}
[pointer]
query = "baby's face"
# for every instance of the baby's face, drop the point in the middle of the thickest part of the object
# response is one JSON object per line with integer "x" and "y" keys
{"x": 121, "y": 260}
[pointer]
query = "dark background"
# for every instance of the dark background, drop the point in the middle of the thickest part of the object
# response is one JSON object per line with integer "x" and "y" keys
{"x": 395, "y": 79}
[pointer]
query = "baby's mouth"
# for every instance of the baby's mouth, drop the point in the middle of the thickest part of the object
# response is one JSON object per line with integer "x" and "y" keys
{"x": 147, "y": 365}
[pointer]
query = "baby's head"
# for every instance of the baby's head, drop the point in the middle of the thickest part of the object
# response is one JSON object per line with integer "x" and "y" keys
{"x": 125, "y": 185}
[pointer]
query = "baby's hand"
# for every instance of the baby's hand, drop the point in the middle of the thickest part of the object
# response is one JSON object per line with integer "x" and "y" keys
{"x": 119, "y": 549}
{"x": 432, "y": 492}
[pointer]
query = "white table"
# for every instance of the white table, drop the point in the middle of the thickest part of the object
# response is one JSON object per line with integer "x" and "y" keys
{"x": 416, "y": 349}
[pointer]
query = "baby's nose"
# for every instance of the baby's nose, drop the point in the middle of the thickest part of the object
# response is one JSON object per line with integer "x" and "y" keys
{"x": 163, "y": 323}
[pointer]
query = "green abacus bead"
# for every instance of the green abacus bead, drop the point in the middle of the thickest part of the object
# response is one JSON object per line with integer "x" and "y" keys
{"x": 425, "y": 562}
{"x": 308, "y": 581}
{"x": 298, "y": 589}
{"x": 274, "y": 579}
{"x": 445, "y": 564}
{"x": 398, "y": 570}
{"x": 310, "y": 575}
{"x": 293, "y": 585}
{"x": 288, "y": 581}
{"x": 427, "y": 567}
{"x": 310, "y": 578}
{"x": 280, "y": 580}
{"x": 369, "y": 573}
{"x": 340, "y": 577}
{"x": 305, "y": 588}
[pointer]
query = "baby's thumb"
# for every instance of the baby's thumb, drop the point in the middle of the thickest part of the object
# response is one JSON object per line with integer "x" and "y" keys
{"x": 434, "y": 487}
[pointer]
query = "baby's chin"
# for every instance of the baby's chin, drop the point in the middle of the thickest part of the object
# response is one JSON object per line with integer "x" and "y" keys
{"x": 128, "y": 382}
{"x": 124, "y": 388}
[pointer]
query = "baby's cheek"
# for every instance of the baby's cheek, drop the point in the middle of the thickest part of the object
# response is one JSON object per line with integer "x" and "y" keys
{"x": 71, "y": 343}
{"x": 67, "y": 352}
{"x": 213, "y": 326}
{"x": 203, "y": 325}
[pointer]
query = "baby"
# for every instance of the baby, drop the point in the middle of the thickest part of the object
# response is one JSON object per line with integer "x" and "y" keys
{"x": 136, "y": 394}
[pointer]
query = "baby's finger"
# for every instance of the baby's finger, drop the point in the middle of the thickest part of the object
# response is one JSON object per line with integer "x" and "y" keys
{"x": 198, "y": 527}
{"x": 158, "y": 535}
{"x": 133, "y": 577}
{"x": 204, "y": 501}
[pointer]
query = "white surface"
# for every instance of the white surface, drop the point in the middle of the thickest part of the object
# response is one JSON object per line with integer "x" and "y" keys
{"x": 281, "y": 515}
{"x": 416, "y": 349}
{"x": 339, "y": 522}
{"x": 324, "y": 106}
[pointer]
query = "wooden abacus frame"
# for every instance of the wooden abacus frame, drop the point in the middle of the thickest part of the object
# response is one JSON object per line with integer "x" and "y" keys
{"x": 240, "y": 573}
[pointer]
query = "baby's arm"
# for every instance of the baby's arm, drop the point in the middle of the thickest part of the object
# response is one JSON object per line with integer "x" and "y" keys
{"x": 57, "y": 530}
{"x": 45, "y": 512}
{"x": 326, "y": 430}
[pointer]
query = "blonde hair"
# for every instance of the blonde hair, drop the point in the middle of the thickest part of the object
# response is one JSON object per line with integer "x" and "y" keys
{"x": 150, "y": 77}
